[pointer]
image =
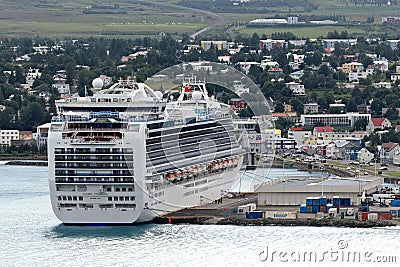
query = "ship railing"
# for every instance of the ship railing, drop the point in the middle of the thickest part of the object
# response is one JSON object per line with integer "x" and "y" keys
{"x": 92, "y": 129}
{"x": 93, "y": 141}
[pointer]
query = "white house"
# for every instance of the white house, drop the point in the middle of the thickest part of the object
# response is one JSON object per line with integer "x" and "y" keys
{"x": 378, "y": 124}
{"x": 296, "y": 88}
{"x": 7, "y": 135}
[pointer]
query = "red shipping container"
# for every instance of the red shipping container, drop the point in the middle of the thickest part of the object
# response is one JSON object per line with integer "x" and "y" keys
{"x": 385, "y": 216}
{"x": 322, "y": 209}
{"x": 364, "y": 216}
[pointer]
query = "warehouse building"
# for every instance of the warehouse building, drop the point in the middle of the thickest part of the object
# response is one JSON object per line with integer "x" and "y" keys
{"x": 294, "y": 190}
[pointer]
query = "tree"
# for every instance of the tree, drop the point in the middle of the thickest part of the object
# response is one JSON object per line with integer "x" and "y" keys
{"x": 279, "y": 107}
{"x": 392, "y": 114}
{"x": 351, "y": 106}
{"x": 32, "y": 116}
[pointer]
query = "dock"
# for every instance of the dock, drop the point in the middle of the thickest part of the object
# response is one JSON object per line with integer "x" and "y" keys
{"x": 224, "y": 212}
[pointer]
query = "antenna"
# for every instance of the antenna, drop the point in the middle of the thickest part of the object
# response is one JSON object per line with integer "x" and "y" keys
{"x": 85, "y": 91}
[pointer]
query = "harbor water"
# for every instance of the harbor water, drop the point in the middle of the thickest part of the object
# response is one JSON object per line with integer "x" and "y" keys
{"x": 31, "y": 235}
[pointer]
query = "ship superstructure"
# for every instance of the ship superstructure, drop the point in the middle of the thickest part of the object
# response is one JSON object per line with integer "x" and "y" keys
{"x": 128, "y": 154}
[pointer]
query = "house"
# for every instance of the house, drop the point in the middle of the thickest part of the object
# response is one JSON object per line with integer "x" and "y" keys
{"x": 269, "y": 44}
{"x": 310, "y": 108}
{"x": 239, "y": 88}
{"x": 397, "y": 128}
{"x": 387, "y": 152}
{"x": 41, "y": 135}
{"x": 275, "y": 71}
{"x": 343, "y": 149}
{"x": 394, "y": 77}
{"x": 297, "y": 75}
{"x": 356, "y": 76}
{"x": 329, "y": 136}
{"x": 219, "y": 45}
{"x": 296, "y": 88}
{"x": 365, "y": 156}
{"x": 378, "y": 124}
{"x": 6, "y": 136}
{"x": 298, "y": 134}
{"x": 237, "y": 103}
{"x": 320, "y": 130}
{"x": 245, "y": 66}
{"x": 61, "y": 85}
{"x": 385, "y": 85}
{"x": 352, "y": 67}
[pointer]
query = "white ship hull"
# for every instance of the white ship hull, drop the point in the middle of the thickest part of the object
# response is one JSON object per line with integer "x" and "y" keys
{"x": 172, "y": 198}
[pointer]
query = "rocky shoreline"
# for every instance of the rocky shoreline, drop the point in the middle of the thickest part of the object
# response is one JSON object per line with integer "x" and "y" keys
{"x": 27, "y": 163}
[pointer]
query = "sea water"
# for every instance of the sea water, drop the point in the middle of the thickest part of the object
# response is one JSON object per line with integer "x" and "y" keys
{"x": 30, "y": 235}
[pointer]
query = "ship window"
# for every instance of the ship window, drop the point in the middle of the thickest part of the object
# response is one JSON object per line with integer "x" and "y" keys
{"x": 115, "y": 198}
{"x": 75, "y": 198}
{"x": 109, "y": 198}
{"x": 69, "y": 198}
{"x": 108, "y": 189}
{"x": 115, "y": 99}
{"x": 117, "y": 189}
{"x": 59, "y": 198}
{"x": 130, "y": 189}
{"x": 121, "y": 198}
{"x": 132, "y": 198}
{"x": 123, "y": 189}
{"x": 80, "y": 198}
{"x": 126, "y": 198}
{"x": 64, "y": 198}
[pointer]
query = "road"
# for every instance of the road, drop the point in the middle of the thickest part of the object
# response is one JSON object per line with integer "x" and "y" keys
{"x": 220, "y": 20}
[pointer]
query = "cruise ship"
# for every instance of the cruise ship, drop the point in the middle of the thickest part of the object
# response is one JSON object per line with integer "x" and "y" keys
{"x": 128, "y": 153}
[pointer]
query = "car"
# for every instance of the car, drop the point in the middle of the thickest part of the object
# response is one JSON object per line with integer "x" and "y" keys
{"x": 365, "y": 173}
{"x": 348, "y": 168}
{"x": 383, "y": 168}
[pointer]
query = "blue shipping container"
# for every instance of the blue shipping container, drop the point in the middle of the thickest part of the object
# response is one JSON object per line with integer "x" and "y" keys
{"x": 395, "y": 203}
{"x": 309, "y": 201}
{"x": 398, "y": 213}
{"x": 315, "y": 209}
{"x": 303, "y": 208}
{"x": 315, "y": 201}
{"x": 336, "y": 202}
{"x": 394, "y": 213}
{"x": 254, "y": 215}
{"x": 345, "y": 202}
{"x": 364, "y": 208}
{"x": 323, "y": 201}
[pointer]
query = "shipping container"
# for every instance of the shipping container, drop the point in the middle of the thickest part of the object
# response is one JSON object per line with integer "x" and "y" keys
{"x": 315, "y": 201}
{"x": 246, "y": 208}
{"x": 336, "y": 201}
{"x": 309, "y": 201}
{"x": 364, "y": 208}
{"x": 395, "y": 203}
{"x": 254, "y": 214}
{"x": 394, "y": 213}
{"x": 364, "y": 216}
{"x": 385, "y": 215}
{"x": 345, "y": 202}
{"x": 372, "y": 217}
{"x": 398, "y": 213}
{"x": 303, "y": 208}
{"x": 322, "y": 209}
{"x": 309, "y": 209}
{"x": 280, "y": 215}
{"x": 323, "y": 201}
{"x": 315, "y": 209}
